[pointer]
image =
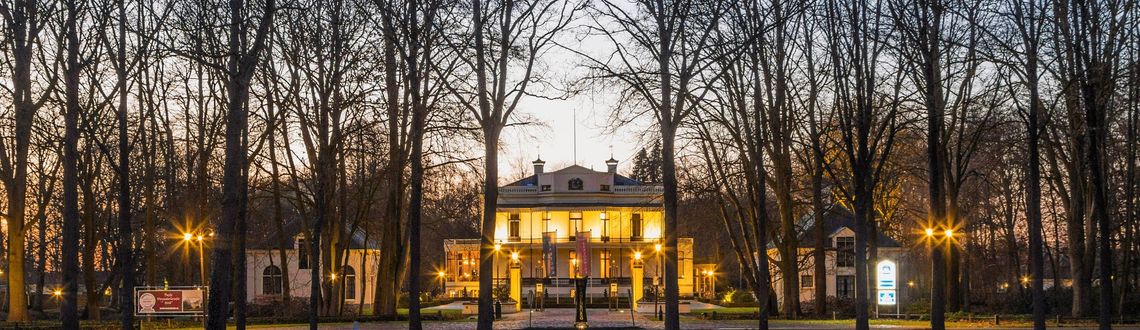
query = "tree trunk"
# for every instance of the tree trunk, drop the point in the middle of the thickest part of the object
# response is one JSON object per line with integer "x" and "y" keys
{"x": 69, "y": 307}
{"x": 23, "y": 30}
{"x": 1033, "y": 190}
{"x": 487, "y": 227}
{"x": 240, "y": 67}
{"x": 126, "y": 231}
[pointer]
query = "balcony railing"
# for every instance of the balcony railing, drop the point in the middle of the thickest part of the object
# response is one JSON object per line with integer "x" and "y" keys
{"x": 618, "y": 190}
{"x": 563, "y": 240}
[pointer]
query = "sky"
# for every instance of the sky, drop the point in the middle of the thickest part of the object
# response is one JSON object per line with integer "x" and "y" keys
{"x": 554, "y": 136}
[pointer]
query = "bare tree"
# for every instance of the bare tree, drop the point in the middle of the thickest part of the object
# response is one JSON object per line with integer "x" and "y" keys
{"x": 525, "y": 31}
{"x": 242, "y": 56}
{"x": 866, "y": 123}
{"x": 69, "y": 307}
{"x": 24, "y": 21}
{"x": 660, "y": 50}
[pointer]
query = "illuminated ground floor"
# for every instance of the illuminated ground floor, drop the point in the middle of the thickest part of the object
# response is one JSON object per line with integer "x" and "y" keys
{"x": 623, "y": 268}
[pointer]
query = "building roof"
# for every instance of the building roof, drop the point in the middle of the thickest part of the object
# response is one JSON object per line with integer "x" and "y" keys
{"x": 267, "y": 239}
{"x": 835, "y": 218}
{"x": 532, "y": 180}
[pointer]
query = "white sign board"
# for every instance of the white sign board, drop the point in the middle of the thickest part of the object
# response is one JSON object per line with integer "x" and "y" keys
{"x": 887, "y": 297}
{"x": 887, "y": 275}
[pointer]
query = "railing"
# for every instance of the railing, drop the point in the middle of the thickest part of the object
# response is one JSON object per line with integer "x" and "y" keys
{"x": 639, "y": 189}
{"x": 565, "y": 281}
{"x": 632, "y": 190}
{"x": 518, "y": 189}
{"x": 561, "y": 240}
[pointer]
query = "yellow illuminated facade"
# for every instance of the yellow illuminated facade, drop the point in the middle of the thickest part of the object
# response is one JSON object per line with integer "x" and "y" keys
{"x": 622, "y": 219}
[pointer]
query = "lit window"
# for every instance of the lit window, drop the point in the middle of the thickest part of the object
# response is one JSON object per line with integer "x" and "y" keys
{"x": 575, "y": 224}
{"x": 635, "y": 233}
{"x": 514, "y": 227}
{"x": 807, "y": 281}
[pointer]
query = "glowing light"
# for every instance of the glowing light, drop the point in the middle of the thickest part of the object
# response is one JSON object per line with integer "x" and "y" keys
{"x": 657, "y": 247}
{"x": 929, "y": 232}
{"x": 910, "y": 283}
{"x": 1025, "y": 279}
{"x": 498, "y": 246}
{"x": 442, "y": 274}
{"x": 199, "y": 238}
{"x": 57, "y": 293}
{"x": 949, "y": 233}
{"x": 637, "y": 255}
{"x": 333, "y": 276}
{"x": 187, "y": 236}
{"x": 515, "y": 256}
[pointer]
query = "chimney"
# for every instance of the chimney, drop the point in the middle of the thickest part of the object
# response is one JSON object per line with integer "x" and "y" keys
{"x": 611, "y": 165}
{"x": 538, "y": 163}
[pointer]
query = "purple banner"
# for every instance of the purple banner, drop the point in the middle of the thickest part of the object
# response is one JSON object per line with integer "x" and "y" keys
{"x": 549, "y": 255}
{"x": 584, "y": 253}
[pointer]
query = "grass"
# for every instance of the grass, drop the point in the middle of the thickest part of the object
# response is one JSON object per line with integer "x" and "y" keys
{"x": 953, "y": 320}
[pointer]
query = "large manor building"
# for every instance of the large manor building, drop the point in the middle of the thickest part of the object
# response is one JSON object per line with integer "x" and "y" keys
{"x": 540, "y": 226}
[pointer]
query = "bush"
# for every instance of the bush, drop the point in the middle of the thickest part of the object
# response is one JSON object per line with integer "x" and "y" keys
{"x": 279, "y": 309}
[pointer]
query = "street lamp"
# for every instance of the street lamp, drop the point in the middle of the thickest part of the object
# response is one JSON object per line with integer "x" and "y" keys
{"x": 495, "y": 263}
{"x": 189, "y": 238}
{"x": 443, "y": 283}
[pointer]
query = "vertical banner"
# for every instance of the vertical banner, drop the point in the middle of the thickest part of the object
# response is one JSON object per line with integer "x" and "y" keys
{"x": 584, "y": 253}
{"x": 549, "y": 254}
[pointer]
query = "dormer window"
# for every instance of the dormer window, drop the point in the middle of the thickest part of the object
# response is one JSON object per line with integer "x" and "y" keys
{"x": 545, "y": 187}
{"x": 845, "y": 251}
{"x": 605, "y": 187}
{"x": 574, "y": 184}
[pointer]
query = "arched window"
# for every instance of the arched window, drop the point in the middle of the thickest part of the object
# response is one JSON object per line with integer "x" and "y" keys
{"x": 349, "y": 283}
{"x": 271, "y": 280}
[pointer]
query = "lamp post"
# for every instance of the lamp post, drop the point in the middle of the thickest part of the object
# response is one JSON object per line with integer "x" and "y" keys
{"x": 202, "y": 261}
{"x": 190, "y": 239}
{"x": 443, "y": 283}
{"x": 938, "y": 274}
{"x": 656, "y": 281}
{"x": 495, "y": 266}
